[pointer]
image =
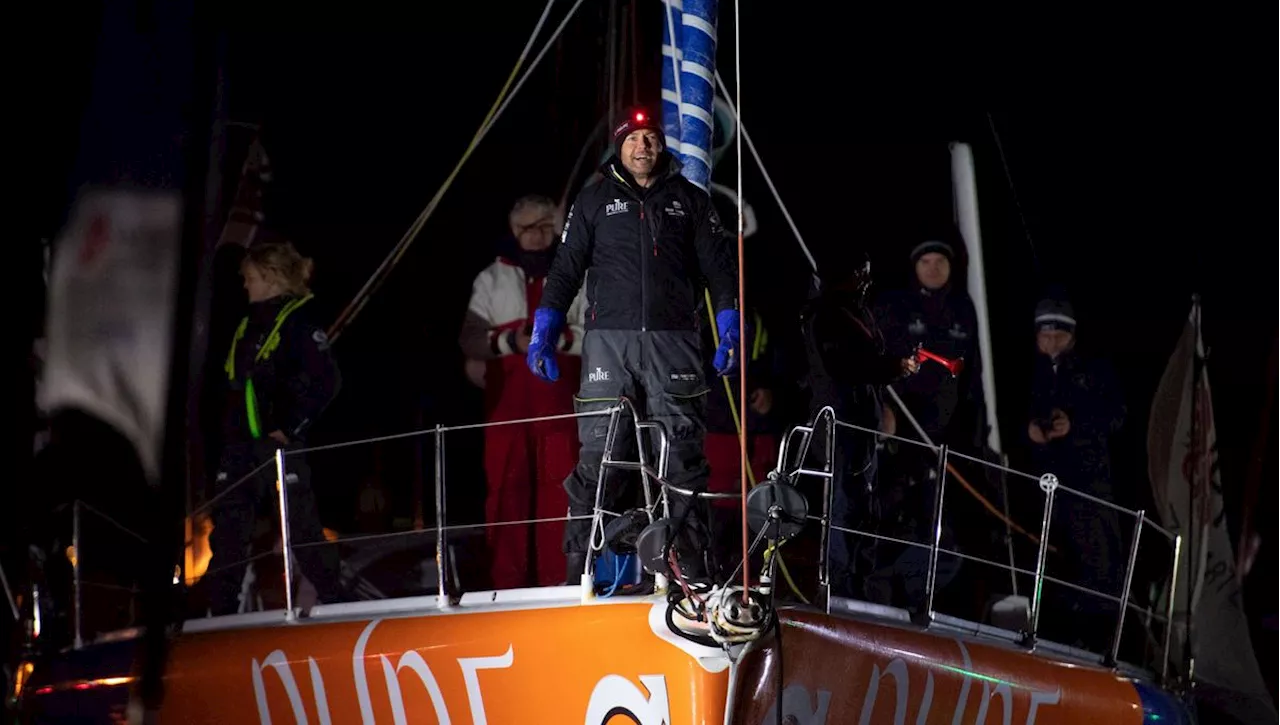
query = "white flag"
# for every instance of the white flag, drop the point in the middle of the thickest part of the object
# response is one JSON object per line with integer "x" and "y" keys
{"x": 110, "y": 320}
{"x": 1182, "y": 464}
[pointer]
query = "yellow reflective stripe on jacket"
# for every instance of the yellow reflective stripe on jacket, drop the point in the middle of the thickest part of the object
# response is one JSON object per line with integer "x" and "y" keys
{"x": 251, "y": 409}
{"x": 268, "y": 346}
{"x": 761, "y": 339}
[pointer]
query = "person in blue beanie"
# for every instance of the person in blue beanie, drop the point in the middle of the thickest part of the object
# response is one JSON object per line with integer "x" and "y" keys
{"x": 647, "y": 241}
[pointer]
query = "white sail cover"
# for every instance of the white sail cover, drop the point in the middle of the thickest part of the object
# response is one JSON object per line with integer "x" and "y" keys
{"x": 110, "y": 314}
{"x": 1188, "y": 491}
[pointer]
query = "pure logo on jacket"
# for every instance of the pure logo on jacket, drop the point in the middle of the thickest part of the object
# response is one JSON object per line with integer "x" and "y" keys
{"x": 564, "y": 235}
{"x": 598, "y": 376}
{"x": 617, "y": 206}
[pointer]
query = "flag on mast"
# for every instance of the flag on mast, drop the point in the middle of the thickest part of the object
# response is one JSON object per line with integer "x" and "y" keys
{"x": 1187, "y": 485}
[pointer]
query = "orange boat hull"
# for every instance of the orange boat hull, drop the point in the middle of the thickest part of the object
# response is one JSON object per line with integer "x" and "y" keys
{"x": 561, "y": 664}
{"x": 610, "y": 662}
{"x": 841, "y": 670}
{"x": 613, "y": 662}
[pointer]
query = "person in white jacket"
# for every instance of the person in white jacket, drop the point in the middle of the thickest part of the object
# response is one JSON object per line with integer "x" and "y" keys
{"x": 525, "y": 463}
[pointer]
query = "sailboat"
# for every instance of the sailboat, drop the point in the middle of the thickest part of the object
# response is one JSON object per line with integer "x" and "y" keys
{"x": 735, "y": 653}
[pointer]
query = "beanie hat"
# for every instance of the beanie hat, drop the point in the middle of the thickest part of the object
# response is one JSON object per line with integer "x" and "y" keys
{"x": 1053, "y": 313}
{"x": 932, "y": 246}
{"x": 633, "y": 120}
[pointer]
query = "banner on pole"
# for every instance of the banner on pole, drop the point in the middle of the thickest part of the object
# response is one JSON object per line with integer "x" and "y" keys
{"x": 1186, "y": 482}
{"x": 110, "y": 314}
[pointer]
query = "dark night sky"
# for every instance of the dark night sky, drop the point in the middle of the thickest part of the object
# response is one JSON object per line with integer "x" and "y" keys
{"x": 1129, "y": 157}
{"x": 1132, "y": 146}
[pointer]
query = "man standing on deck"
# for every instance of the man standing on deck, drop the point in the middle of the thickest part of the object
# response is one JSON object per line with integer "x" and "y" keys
{"x": 647, "y": 240}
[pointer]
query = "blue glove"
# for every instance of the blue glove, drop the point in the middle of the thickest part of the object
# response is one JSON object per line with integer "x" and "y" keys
{"x": 541, "y": 359}
{"x": 726, "y": 359}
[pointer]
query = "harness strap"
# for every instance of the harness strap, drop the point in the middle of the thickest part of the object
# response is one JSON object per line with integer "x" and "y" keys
{"x": 269, "y": 346}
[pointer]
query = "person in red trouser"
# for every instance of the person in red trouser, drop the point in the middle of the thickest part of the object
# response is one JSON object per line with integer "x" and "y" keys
{"x": 524, "y": 463}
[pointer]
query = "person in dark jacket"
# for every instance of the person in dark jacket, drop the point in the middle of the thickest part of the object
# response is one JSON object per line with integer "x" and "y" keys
{"x": 647, "y": 240}
{"x": 933, "y": 314}
{"x": 848, "y": 366}
{"x": 280, "y": 378}
{"x": 1076, "y": 406}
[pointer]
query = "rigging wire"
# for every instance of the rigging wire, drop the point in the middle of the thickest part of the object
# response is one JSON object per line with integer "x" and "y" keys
{"x": 611, "y": 63}
{"x": 675, "y": 60}
{"x": 587, "y": 146}
{"x": 742, "y": 304}
{"x": 635, "y": 62}
{"x": 774, "y": 550}
{"x": 777, "y": 197}
{"x": 1008, "y": 177}
{"x": 768, "y": 180}
{"x": 499, "y": 105}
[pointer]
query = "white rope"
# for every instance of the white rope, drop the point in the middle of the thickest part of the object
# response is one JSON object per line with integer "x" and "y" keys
{"x": 742, "y": 135}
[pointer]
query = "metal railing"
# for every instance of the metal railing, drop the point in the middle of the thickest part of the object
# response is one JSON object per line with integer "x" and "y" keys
{"x": 75, "y": 553}
{"x": 826, "y": 423}
{"x": 790, "y": 467}
{"x": 623, "y": 412}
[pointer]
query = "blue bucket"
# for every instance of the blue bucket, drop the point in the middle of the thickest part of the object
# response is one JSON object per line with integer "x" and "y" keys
{"x": 615, "y": 570}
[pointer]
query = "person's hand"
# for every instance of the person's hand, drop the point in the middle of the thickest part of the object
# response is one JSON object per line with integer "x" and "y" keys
{"x": 521, "y": 341}
{"x": 762, "y": 401}
{"x": 1036, "y": 434}
{"x": 475, "y": 371}
{"x": 725, "y": 360}
{"x": 910, "y": 365}
{"x": 1061, "y": 424}
{"x": 279, "y": 437}
{"x": 889, "y": 422}
{"x": 541, "y": 358}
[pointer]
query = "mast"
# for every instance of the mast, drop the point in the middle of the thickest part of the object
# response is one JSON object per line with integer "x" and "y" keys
{"x": 1195, "y": 544}
{"x": 965, "y": 198}
{"x": 965, "y": 189}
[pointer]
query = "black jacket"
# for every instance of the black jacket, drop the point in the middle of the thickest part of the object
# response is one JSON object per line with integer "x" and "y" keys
{"x": 646, "y": 253}
{"x": 294, "y": 384}
{"x": 848, "y": 361}
{"x": 1088, "y": 391}
{"x": 944, "y": 321}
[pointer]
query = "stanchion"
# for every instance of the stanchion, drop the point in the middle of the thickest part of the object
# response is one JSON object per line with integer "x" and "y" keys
{"x": 286, "y": 541}
{"x": 1168, "y": 610}
{"x": 442, "y": 550}
{"x": 1128, "y": 582}
{"x": 828, "y": 493}
{"x": 75, "y": 569}
{"x": 931, "y": 581}
{"x": 1048, "y": 484}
